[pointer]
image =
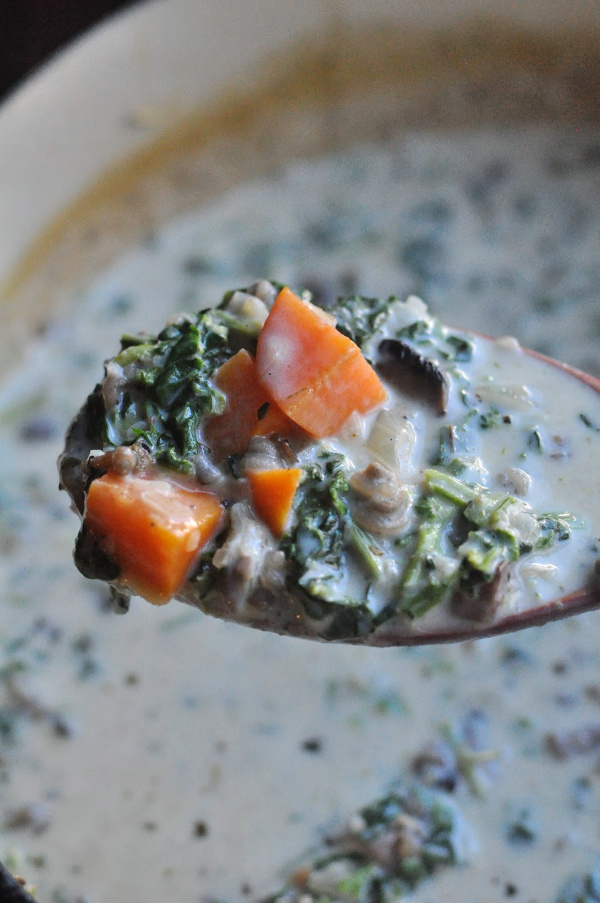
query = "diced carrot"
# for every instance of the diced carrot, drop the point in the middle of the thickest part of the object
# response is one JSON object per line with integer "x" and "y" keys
{"x": 250, "y": 409}
{"x": 154, "y": 528}
{"x": 318, "y": 376}
{"x": 272, "y": 495}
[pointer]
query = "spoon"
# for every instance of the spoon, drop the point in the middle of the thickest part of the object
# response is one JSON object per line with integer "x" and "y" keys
{"x": 275, "y": 606}
{"x": 583, "y": 600}
{"x": 11, "y": 890}
{"x": 578, "y": 602}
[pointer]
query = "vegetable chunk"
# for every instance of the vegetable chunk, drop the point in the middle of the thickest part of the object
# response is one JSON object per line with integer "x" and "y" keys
{"x": 154, "y": 528}
{"x": 250, "y": 410}
{"x": 273, "y": 493}
{"x": 318, "y": 376}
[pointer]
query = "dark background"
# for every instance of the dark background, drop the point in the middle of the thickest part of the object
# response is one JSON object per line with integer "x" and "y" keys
{"x": 31, "y": 30}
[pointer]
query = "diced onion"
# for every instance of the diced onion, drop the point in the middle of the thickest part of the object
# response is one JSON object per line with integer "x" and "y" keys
{"x": 515, "y": 398}
{"x": 392, "y": 440}
{"x": 249, "y": 308}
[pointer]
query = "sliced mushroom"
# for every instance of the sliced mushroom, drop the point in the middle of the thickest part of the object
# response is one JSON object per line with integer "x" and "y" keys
{"x": 243, "y": 553}
{"x": 378, "y": 502}
{"x": 413, "y": 374}
{"x": 483, "y": 604}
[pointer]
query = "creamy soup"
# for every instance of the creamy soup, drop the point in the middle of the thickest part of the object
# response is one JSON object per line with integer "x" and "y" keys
{"x": 359, "y": 473}
{"x": 165, "y": 755}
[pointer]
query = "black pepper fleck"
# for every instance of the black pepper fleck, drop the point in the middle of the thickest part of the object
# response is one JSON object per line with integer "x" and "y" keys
{"x": 62, "y": 727}
{"x": 312, "y": 745}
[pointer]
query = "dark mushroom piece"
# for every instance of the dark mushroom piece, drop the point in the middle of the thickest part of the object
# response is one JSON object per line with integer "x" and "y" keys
{"x": 412, "y": 374}
{"x": 482, "y": 605}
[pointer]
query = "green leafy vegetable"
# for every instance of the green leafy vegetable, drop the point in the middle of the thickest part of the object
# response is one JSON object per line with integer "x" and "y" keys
{"x": 394, "y": 844}
{"x": 430, "y": 573}
{"x": 359, "y": 317}
{"x": 466, "y": 534}
{"x": 316, "y": 542}
{"x": 166, "y": 387}
{"x": 450, "y": 347}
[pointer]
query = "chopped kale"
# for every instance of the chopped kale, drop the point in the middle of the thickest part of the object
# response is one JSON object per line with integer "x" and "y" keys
{"x": 420, "y": 331}
{"x": 451, "y": 347}
{"x": 463, "y": 348}
{"x": 429, "y": 574}
{"x": 316, "y": 541}
{"x": 555, "y": 528}
{"x": 367, "y": 551}
{"x": 321, "y": 509}
{"x": 454, "y": 442}
{"x": 167, "y": 387}
{"x": 467, "y": 533}
{"x": 359, "y": 317}
{"x": 390, "y": 847}
{"x": 490, "y": 419}
{"x": 318, "y": 545}
{"x": 448, "y": 442}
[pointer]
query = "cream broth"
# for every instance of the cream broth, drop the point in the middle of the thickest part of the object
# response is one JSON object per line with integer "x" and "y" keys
{"x": 531, "y": 396}
{"x": 442, "y": 509}
{"x": 165, "y": 755}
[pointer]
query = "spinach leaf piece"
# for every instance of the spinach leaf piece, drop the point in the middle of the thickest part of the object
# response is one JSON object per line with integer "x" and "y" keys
{"x": 404, "y": 838}
{"x": 466, "y": 533}
{"x": 166, "y": 387}
{"x": 317, "y": 547}
{"x": 452, "y": 347}
{"x": 359, "y": 317}
{"x": 316, "y": 542}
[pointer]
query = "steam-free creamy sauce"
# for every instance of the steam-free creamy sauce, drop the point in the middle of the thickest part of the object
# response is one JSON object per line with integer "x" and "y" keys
{"x": 165, "y": 755}
{"x": 525, "y": 398}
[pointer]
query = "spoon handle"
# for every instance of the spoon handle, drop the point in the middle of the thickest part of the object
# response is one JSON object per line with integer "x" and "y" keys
{"x": 11, "y": 891}
{"x": 592, "y": 381}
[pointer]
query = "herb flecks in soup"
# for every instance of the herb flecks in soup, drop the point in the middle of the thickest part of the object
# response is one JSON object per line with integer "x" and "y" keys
{"x": 166, "y": 756}
{"x": 385, "y": 850}
{"x": 334, "y": 473}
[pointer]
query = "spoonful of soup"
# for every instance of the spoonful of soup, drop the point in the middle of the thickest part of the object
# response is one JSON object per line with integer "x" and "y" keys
{"x": 362, "y": 474}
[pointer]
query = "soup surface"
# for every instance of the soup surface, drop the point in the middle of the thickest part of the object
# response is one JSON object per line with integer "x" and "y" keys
{"x": 166, "y": 755}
